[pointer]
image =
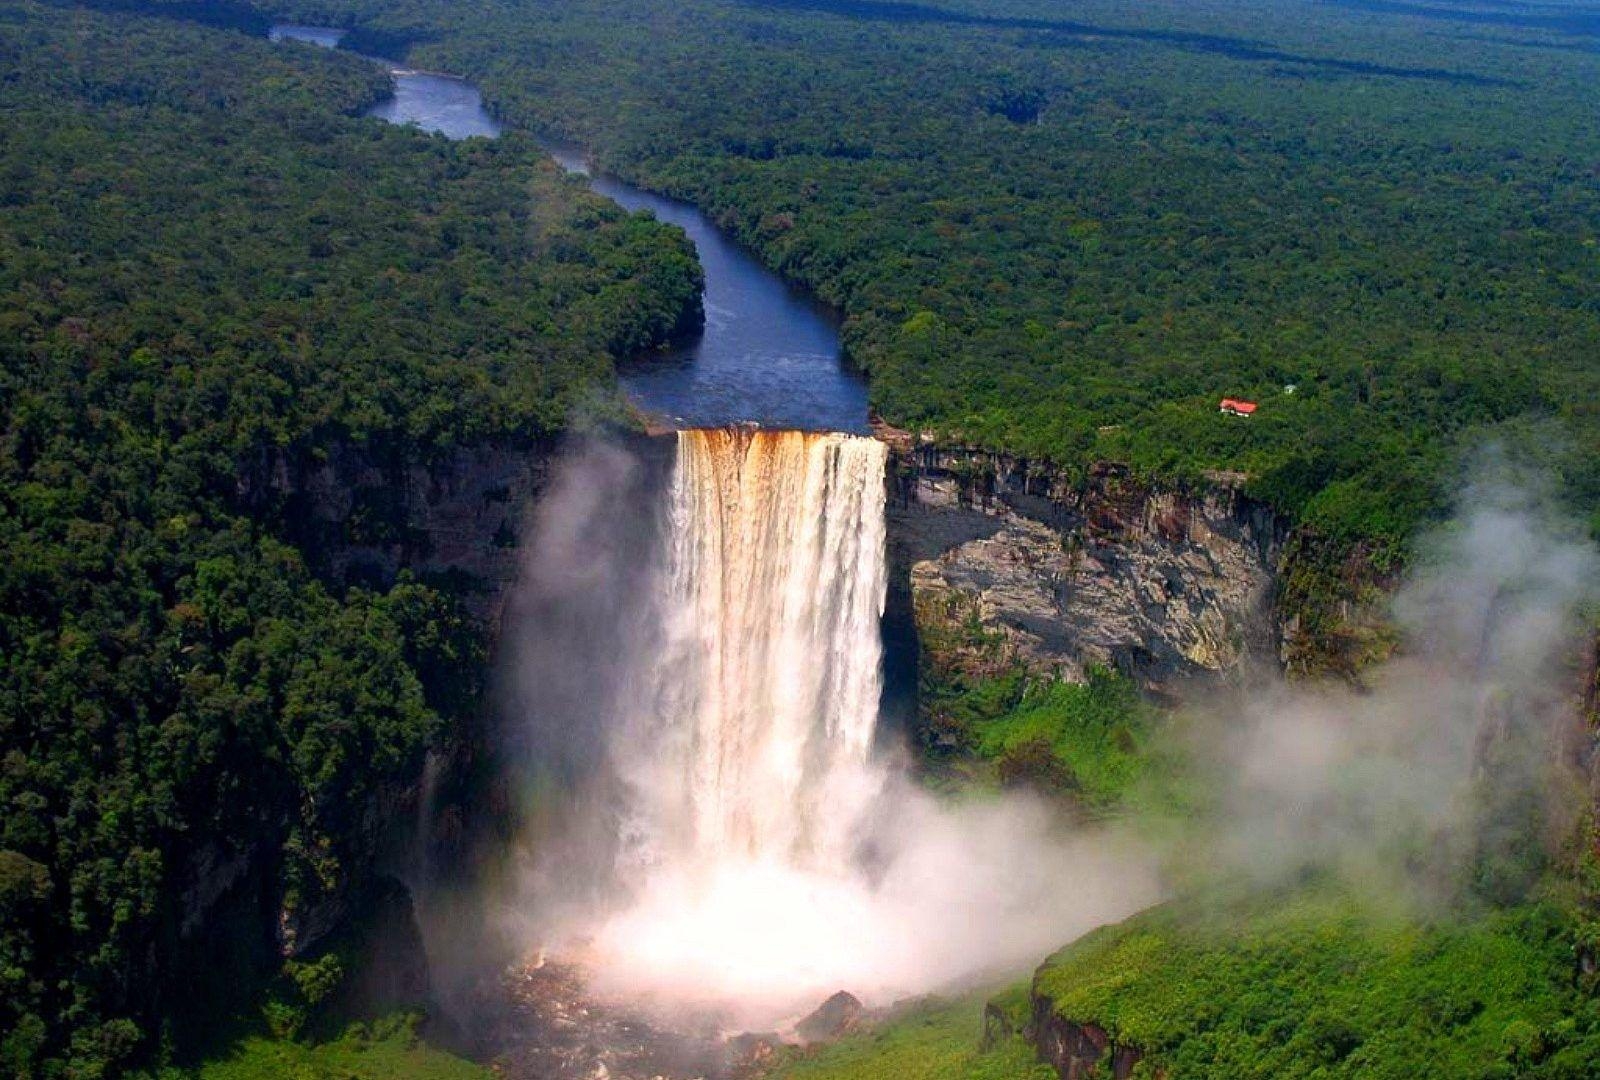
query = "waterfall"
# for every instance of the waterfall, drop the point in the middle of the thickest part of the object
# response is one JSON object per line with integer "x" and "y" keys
{"x": 698, "y": 669}
{"x": 751, "y": 729}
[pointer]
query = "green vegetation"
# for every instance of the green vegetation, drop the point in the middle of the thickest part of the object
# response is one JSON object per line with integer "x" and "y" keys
{"x": 1068, "y": 232}
{"x": 1060, "y": 233}
{"x": 1310, "y": 983}
{"x": 380, "y": 1052}
{"x": 931, "y": 1040}
{"x": 1091, "y": 733}
{"x": 1085, "y": 741}
{"x": 985, "y": 720}
{"x": 214, "y": 278}
{"x": 1306, "y": 982}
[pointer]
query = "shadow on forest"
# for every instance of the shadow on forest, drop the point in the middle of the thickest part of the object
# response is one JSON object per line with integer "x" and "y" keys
{"x": 217, "y": 14}
{"x": 1571, "y": 21}
{"x": 1231, "y": 47}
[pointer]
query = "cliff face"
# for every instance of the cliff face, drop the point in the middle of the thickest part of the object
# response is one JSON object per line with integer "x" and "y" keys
{"x": 361, "y": 517}
{"x": 1001, "y": 565}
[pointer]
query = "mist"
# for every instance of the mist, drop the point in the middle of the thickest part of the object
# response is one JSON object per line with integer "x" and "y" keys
{"x": 944, "y": 896}
{"x": 664, "y": 689}
{"x": 578, "y": 616}
{"x": 1453, "y": 768}
{"x": 725, "y": 836}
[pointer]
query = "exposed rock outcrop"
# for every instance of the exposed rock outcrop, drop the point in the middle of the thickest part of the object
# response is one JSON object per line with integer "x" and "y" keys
{"x": 833, "y": 1019}
{"x": 1077, "y": 1051}
{"x": 389, "y": 968}
{"x": 1007, "y": 564}
{"x": 364, "y": 515}
{"x": 997, "y": 1027}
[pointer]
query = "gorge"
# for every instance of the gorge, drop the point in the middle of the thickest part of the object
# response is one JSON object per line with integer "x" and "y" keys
{"x": 739, "y": 837}
{"x": 739, "y": 833}
{"x": 725, "y": 833}
{"x": 458, "y": 616}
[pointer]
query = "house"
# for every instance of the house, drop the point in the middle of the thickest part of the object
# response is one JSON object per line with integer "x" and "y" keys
{"x": 1235, "y": 407}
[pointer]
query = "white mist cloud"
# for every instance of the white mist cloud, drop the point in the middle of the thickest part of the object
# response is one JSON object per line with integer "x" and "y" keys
{"x": 952, "y": 893}
{"x": 1435, "y": 776}
{"x": 615, "y": 694}
{"x": 1429, "y": 778}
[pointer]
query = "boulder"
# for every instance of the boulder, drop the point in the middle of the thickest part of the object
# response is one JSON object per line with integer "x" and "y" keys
{"x": 833, "y": 1019}
{"x": 748, "y": 1052}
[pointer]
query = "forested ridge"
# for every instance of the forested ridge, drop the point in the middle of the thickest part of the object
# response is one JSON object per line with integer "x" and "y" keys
{"x": 209, "y": 266}
{"x": 1067, "y": 230}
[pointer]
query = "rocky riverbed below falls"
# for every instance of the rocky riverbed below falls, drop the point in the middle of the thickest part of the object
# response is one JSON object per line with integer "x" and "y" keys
{"x": 546, "y": 1022}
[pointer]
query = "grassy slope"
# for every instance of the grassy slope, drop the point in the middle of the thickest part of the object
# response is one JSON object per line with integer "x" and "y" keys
{"x": 938, "y": 1040}
{"x": 1310, "y": 984}
{"x": 1306, "y": 984}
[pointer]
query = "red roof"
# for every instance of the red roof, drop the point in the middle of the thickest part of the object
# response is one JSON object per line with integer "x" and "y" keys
{"x": 1235, "y": 405}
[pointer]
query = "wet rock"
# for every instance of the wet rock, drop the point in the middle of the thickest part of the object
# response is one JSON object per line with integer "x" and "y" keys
{"x": 388, "y": 968}
{"x": 996, "y": 1027}
{"x": 838, "y": 1016}
{"x": 211, "y": 872}
{"x": 363, "y": 516}
{"x": 543, "y": 1023}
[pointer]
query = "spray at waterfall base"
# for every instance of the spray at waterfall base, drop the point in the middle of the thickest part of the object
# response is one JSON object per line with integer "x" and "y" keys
{"x": 700, "y": 661}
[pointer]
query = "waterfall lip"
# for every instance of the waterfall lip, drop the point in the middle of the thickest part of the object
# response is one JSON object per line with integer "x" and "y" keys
{"x": 677, "y": 425}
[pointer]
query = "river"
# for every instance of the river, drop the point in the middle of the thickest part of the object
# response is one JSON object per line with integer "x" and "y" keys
{"x": 768, "y": 353}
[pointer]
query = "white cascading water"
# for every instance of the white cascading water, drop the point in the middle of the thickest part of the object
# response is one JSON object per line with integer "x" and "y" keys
{"x": 747, "y": 731}
{"x": 761, "y": 701}
{"x": 767, "y": 858}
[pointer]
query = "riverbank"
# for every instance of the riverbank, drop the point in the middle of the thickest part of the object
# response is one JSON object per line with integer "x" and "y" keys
{"x": 766, "y": 353}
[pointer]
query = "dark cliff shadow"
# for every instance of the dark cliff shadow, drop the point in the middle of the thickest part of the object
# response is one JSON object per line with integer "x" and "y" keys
{"x": 900, "y": 698}
{"x": 1234, "y": 48}
{"x": 1569, "y": 21}
{"x": 916, "y": 532}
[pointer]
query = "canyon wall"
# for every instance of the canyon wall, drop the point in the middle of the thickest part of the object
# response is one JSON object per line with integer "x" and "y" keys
{"x": 1001, "y": 565}
{"x": 363, "y": 516}
{"x": 1078, "y": 1051}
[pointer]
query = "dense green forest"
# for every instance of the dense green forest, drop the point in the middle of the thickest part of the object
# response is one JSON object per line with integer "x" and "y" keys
{"x": 1069, "y": 229}
{"x": 211, "y": 269}
{"x": 1063, "y": 230}
{"x": 1314, "y": 982}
